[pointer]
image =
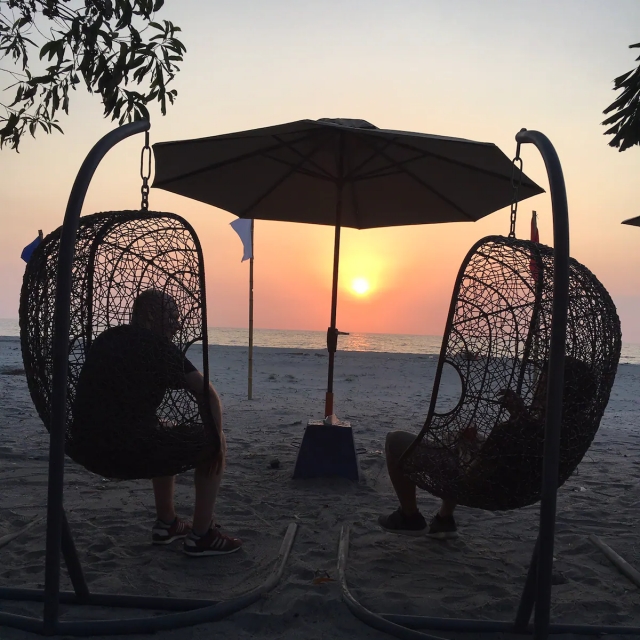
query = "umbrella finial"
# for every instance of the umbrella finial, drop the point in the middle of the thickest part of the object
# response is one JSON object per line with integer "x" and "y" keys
{"x": 354, "y": 123}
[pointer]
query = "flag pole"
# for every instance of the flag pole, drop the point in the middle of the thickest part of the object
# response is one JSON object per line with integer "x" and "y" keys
{"x": 250, "y": 380}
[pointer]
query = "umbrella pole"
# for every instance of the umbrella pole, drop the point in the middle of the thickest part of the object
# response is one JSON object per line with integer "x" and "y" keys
{"x": 250, "y": 375}
{"x": 332, "y": 332}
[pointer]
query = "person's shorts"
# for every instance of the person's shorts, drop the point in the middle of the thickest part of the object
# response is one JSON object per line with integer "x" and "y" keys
{"x": 142, "y": 450}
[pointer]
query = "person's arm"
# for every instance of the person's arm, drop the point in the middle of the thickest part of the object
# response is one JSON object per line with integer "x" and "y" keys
{"x": 182, "y": 374}
{"x": 513, "y": 403}
{"x": 196, "y": 384}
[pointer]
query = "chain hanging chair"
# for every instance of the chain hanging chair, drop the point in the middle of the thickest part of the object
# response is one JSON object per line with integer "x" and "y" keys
{"x": 118, "y": 255}
{"x": 497, "y": 338}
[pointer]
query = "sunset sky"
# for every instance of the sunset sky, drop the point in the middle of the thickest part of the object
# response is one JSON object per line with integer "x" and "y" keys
{"x": 477, "y": 70}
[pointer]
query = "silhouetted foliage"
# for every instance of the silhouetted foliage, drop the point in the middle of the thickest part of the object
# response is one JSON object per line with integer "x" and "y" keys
{"x": 626, "y": 108}
{"x": 111, "y": 46}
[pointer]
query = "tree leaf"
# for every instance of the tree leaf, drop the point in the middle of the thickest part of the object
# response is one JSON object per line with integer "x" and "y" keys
{"x": 46, "y": 49}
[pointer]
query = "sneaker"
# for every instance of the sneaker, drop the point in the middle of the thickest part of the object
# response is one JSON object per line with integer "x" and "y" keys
{"x": 442, "y": 528}
{"x": 399, "y": 522}
{"x": 212, "y": 543}
{"x": 163, "y": 533}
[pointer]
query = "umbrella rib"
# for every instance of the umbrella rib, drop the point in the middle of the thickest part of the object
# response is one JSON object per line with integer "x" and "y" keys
{"x": 421, "y": 154}
{"x": 367, "y": 160}
{"x": 323, "y": 172}
{"x": 379, "y": 173}
{"x": 427, "y": 186}
{"x": 212, "y": 167}
{"x": 300, "y": 170}
{"x": 354, "y": 201}
{"x": 424, "y": 154}
{"x": 218, "y": 165}
{"x": 274, "y": 186}
{"x": 386, "y": 171}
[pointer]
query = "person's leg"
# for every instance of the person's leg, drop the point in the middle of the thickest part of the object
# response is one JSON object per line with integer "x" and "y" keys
{"x": 447, "y": 507}
{"x": 396, "y": 444}
{"x": 408, "y": 520}
{"x": 163, "y": 492}
{"x": 208, "y": 475}
{"x": 205, "y": 538}
{"x": 168, "y": 526}
{"x": 443, "y": 525}
{"x": 207, "y": 478}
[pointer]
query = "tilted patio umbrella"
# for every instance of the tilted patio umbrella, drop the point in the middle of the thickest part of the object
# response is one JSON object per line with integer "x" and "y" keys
{"x": 343, "y": 173}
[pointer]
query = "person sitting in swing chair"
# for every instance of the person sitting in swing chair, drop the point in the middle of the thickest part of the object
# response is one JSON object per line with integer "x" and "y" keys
{"x": 520, "y": 439}
{"x": 128, "y": 370}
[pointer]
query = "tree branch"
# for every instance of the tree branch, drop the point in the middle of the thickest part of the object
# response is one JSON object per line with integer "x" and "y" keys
{"x": 97, "y": 44}
{"x": 626, "y": 110}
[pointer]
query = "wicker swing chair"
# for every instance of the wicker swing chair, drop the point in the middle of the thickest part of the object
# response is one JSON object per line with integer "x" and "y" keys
{"x": 118, "y": 255}
{"x": 497, "y": 338}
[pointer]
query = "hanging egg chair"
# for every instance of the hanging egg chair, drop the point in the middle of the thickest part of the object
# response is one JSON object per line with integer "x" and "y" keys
{"x": 485, "y": 452}
{"x": 118, "y": 256}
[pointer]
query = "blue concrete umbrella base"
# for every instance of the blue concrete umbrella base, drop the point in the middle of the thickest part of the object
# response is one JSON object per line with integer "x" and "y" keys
{"x": 327, "y": 451}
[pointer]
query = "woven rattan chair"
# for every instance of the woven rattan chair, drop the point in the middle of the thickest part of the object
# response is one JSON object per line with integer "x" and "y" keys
{"x": 118, "y": 255}
{"x": 497, "y": 337}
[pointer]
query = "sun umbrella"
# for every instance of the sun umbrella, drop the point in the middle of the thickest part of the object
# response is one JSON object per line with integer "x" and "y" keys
{"x": 343, "y": 173}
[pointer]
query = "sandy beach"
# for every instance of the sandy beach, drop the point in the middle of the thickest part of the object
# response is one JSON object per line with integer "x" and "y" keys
{"x": 480, "y": 574}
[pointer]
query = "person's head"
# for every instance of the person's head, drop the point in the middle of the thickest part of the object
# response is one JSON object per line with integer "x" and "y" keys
{"x": 156, "y": 311}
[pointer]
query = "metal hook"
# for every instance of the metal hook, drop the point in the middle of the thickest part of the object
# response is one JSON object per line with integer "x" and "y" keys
{"x": 145, "y": 172}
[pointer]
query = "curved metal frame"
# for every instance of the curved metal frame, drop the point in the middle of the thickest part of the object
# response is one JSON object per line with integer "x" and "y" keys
{"x": 537, "y": 588}
{"x": 188, "y": 611}
{"x": 58, "y": 536}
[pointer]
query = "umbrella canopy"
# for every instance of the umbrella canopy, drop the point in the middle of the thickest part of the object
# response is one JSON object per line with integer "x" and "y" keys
{"x": 294, "y": 172}
{"x": 343, "y": 173}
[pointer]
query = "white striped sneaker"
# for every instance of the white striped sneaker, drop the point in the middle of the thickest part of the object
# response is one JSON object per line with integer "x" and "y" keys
{"x": 163, "y": 533}
{"x": 212, "y": 543}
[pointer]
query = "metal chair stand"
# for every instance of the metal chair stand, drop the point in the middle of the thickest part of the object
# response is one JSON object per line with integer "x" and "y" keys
{"x": 537, "y": 588}
{"x": 184, "y": 611}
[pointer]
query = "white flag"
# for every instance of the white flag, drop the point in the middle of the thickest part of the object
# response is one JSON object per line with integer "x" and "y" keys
{"x": 242, "y": 226}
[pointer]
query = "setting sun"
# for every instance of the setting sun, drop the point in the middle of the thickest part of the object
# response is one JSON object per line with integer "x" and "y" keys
{"x": 360, "y": 286}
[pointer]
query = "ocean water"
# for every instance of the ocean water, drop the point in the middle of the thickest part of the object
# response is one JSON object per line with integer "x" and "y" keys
{"x": 289, "y": 339}
{"x": 381, "y": 342}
